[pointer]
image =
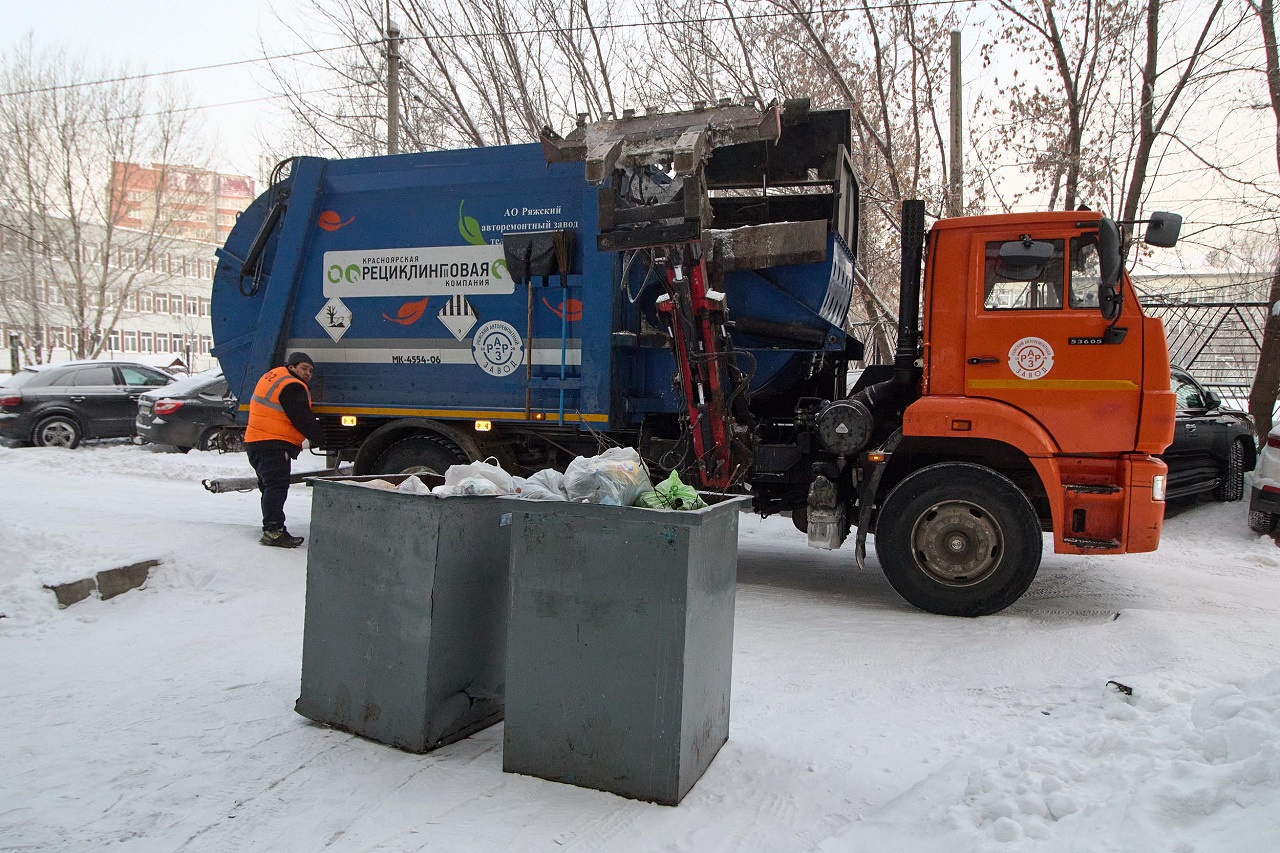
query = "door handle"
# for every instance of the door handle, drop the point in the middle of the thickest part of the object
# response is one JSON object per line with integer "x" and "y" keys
{"x": 984, "y": 359}
{"x": 1190, "y": 427}
{"x": 78, "y": 399}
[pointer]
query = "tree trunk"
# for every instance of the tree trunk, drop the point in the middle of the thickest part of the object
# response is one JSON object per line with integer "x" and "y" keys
{"x": 1266, "y": 382}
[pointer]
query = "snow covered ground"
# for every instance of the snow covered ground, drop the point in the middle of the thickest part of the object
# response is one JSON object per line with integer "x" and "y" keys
{"x": 163, "y": 720}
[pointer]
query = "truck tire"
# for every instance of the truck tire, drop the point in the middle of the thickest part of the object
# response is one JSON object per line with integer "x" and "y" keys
{"x": 420, "y": 454}
{"x": 1263, "y": 522}
{"x": 1231, "y": 488}
{"x": 958, "y": 539}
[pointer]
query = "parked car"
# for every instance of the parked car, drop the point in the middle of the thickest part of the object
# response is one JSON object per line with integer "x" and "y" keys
{"x": 1264, "y": 502}
{"x": 60, "y": 405}
{"x": 199, "y": 411}
{"x": 1213, "y": 446}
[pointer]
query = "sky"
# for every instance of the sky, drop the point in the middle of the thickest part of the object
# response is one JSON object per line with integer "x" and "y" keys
{"x": 163, "y": 719}
{"x": 165, "y": 35}
{"x": 237, "y": 109}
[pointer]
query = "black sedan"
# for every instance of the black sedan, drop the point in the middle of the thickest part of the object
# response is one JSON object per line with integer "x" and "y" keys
{"x": 199, "y": 411}
{"x": 60, "y": 405}
{"x": 1212, "y": 445}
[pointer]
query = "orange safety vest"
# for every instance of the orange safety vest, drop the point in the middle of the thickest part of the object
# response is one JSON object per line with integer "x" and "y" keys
{"x": 267, "y": 420}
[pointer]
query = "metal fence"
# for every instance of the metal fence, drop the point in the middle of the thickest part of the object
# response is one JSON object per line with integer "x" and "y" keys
{"x": 1217, "y": 342}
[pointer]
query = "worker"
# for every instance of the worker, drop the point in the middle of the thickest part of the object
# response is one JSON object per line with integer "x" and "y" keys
{"x": 280, "y": 418}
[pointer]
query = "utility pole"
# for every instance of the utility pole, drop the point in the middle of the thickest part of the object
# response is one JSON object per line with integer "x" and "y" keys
{"x": 393, "y": 85}
{"x": 955, "y": 196}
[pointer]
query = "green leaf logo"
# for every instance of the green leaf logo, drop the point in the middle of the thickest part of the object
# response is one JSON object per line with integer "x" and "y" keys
{"x": 469, "y": 228}
{"x": 499, "y": 267}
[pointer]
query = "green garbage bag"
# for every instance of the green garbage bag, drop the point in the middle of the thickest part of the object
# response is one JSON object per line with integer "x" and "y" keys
{"x": 671, "y": 493}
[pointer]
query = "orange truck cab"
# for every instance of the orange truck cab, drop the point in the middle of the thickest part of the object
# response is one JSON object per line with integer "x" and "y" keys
{"x": 1037, "y": 400}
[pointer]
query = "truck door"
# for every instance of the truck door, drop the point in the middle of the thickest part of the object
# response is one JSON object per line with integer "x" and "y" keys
{"x": 1037, "y": 338}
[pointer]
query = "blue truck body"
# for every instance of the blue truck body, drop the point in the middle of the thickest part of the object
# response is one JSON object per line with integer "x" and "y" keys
{"x": 390, "y": 272}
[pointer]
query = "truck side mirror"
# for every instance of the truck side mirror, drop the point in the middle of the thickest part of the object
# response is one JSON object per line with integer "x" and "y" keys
{"x": 1163, "y": 229}
{"x": 1110, "y": 299}
{"x": 1023, "y": 260}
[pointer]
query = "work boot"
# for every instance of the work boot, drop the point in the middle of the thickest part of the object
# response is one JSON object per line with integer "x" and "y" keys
{"x": 280, "y": 538}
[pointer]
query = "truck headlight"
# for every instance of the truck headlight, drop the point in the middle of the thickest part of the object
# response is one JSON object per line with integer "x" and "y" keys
{"x": 1157, "y": 487}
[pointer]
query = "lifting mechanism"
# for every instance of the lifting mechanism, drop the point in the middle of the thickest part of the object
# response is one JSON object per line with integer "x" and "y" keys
{"x": 653, "y": 195}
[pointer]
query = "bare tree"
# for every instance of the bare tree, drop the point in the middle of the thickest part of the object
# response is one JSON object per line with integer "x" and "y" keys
{"x": 491, "y": 72}
{"x": 67, "y": 151}
{"x": 1266, "y": 382}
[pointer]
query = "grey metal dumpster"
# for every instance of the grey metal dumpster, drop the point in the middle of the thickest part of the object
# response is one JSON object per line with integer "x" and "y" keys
{"x": 620, "y": 644}
{"x": 404, "y": 636}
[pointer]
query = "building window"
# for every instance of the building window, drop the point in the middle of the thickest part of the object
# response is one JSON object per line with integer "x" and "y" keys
{"x": 193, "y": 306}
{"x": 162, "y": 342}
{"x": 175, "y": 303}
{"x": 162, "y": 303}
{"x": 205, "y": 305}
{"x": 144, "y": 342}
{"x": 206, "y": 344}
{"x": 130, "y": 341}
{"x": 178, "y": 343}
{"x": 146, "y": 302}
{"x": 113, "y": 342}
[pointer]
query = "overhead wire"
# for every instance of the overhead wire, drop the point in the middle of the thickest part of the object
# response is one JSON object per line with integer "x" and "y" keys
{"x": 144, "y": 75}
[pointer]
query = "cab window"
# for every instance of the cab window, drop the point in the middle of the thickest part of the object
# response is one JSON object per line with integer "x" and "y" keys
{"x": 1024, "y": 289}
{"x": 1086, "y": 271}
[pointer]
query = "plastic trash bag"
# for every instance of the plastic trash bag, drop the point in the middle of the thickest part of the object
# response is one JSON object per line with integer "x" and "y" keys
{"x": 615, "y": 477}
{"x": 546, "y": 485}
{"x": 671, "y": 493}
{"x": 476, "y": 478}
{"x": 413, "y": 485}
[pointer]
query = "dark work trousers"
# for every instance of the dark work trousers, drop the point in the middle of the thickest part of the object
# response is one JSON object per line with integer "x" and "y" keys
{"x": 272, "y": 467}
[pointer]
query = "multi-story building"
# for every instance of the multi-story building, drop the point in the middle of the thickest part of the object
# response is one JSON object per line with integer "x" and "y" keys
{"x": 161, "y": 318}
{"x": 196, "y": 204}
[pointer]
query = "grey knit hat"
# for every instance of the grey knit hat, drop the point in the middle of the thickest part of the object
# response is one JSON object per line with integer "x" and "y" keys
{"x": 296, "y": 358}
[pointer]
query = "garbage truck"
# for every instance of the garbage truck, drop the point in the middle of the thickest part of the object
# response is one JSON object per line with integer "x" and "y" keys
{"x": 679, "y": 283}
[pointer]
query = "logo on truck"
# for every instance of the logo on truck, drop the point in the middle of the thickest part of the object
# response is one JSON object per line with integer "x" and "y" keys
{"x": 497, "y": 348}
{"x": 417, "y": 272}
{"x": 1031, "y": 358}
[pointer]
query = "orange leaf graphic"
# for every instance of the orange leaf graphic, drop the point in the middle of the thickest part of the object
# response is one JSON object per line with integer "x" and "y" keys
{"x": 409, "y": 313}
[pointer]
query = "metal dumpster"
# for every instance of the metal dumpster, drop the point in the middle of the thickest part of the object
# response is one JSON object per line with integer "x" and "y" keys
{"x": 405, "y": 630}
{"x": 620, "y": 644}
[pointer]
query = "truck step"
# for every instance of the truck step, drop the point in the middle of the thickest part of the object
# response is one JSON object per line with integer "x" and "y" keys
{"x": 1099, "y": 544}
{"x": 1091, "y": 489}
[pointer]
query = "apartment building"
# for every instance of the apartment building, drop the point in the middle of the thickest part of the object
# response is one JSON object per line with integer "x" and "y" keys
{"x": 195, "y": 204}
{"x": 160, "y": 302}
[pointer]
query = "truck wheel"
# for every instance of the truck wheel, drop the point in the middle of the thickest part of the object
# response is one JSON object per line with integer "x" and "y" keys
{"x": 57, "y": 431}
{"x": 958, "y": 539}
{"x": 1232, "y": 486}
{"x": 421, "y": 454}
{"x": 1263, "y": 522}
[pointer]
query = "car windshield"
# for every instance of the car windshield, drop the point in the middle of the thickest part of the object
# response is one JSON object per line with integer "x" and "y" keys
{"x": 190, "y": 385}
{"x": 17, "y": 380}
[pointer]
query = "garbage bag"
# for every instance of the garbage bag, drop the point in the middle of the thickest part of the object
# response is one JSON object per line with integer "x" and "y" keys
{"x": 413, "y": 485}
{"x": 466, "y": 480}
{"x": 671, "y": 493}
{"x": 615, "y": 477}
{"x": 546, "y": 485}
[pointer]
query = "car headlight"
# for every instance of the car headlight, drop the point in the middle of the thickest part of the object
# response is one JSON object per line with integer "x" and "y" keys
{"x": 1157, "y": 487}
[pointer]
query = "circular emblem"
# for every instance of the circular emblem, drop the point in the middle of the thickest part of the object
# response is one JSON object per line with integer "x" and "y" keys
{"x": 1031, "y": 358}
{"x": 497, "y": 348}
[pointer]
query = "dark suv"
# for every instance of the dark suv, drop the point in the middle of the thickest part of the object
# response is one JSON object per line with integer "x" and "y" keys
{"x": 60, "y": 405}
{"x": 1212, "y": 445}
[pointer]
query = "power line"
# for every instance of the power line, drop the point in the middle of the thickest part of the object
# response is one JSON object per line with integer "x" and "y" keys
{"x": 909, "y": 4}
{"x": 146, "y": 75}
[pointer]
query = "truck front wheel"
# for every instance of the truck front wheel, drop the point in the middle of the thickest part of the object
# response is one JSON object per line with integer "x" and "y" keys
{"x": 958, "y": 539}
{"x": 429, "y": 454}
